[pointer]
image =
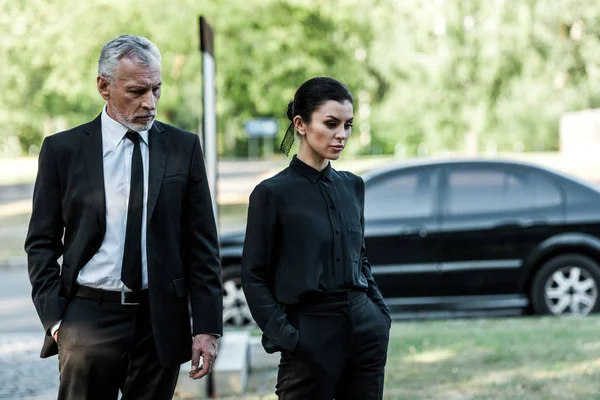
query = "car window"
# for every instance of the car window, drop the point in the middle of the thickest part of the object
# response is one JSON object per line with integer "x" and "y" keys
{"x": 401, "y": 195}
{"x": 479, "y": 191}
{"x": 496, "y": 190}
{"x": 579, "y": 194}
{"x": 544, "y": 193}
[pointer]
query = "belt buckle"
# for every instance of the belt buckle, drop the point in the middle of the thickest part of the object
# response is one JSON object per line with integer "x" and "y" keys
{"x": 124, "y": 302}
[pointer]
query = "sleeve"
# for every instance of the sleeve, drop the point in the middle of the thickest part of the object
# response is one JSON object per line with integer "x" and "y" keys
{"x": 43, "y": 243}
{"x": 372, "y": 291}
{"x": 201, "y": 250}
{"x": 278, "y": 333}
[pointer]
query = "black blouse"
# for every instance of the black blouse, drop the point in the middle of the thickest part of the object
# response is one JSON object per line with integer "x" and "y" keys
{"x": 305, "y": 234}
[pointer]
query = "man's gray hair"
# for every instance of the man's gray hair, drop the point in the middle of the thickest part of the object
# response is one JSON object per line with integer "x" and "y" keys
{"x": 137, "y": 48}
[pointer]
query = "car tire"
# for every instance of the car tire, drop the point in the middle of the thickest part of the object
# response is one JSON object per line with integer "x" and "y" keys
{"x": 568, "y": 284}
{"x": 235, "y": 308}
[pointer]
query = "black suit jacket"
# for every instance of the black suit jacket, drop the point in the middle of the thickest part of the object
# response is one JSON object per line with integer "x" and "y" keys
{"x": 182, "y": 242}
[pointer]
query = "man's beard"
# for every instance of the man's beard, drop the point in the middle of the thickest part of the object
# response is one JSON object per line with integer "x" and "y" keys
{"x": 130, "y": 124}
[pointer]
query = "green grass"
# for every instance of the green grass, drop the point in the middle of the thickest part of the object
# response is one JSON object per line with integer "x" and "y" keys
{"x": 516, "y": 359}
{"x": 232, "y": 217}
{"x": 522, "y": 358}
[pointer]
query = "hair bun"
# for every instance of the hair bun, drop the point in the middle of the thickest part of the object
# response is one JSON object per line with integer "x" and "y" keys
{"x": 290, "y": 110}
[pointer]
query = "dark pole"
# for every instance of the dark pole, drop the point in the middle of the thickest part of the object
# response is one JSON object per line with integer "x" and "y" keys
{"x": 209, "y": 133}
{"x": 209, "y": 120}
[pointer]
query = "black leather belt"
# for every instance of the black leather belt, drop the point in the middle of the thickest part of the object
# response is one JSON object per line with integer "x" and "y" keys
{"x": 113, "y": 296}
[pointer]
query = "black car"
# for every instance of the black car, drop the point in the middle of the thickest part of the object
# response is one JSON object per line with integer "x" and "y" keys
{"x": 457, "y": 237}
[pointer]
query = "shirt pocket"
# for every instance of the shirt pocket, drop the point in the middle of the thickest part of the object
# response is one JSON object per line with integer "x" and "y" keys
{"x": 355, "y": 236}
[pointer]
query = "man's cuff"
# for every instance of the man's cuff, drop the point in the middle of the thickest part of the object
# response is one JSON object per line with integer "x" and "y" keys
{"x": 55, "y": 328}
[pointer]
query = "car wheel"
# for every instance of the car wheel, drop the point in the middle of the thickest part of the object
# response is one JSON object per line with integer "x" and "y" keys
{"x": 235, "y": 308}
{"x": 567, "y": 285}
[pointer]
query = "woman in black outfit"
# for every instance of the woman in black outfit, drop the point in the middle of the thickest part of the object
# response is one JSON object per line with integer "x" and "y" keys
{"x": 304, "y": 271}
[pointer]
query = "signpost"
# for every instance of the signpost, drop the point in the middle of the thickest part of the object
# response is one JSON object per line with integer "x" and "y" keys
{"x": 265, "y": 128}
{"x": 209, "y": 131}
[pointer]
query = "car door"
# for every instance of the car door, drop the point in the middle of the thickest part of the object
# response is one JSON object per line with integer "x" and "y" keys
{"x": 488, "y": 219}
{"x": 546, "y": 210}
{"x": 401, "y": 215}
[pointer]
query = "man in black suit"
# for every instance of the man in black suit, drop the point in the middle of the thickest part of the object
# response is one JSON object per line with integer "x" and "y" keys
{"x": 124, "y": 201}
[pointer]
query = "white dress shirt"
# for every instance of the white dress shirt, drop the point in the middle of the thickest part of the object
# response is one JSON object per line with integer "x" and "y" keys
{"x": 103, "y": 271}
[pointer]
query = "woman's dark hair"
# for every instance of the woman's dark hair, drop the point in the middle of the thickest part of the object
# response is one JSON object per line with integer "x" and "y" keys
{"x": 311, "y": 95}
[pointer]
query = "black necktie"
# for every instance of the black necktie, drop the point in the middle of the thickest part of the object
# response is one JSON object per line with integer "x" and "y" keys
{"x": 131, "y": 272}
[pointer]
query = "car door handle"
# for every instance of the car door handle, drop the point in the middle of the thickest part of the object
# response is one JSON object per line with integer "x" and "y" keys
{"x": 519, "y": 223}
{"x": 411, "y": 230}
{"x": 529, "y": 222}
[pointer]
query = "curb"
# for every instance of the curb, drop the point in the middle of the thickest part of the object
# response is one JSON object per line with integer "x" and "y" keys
{"x": 239, "y": 355}
{"x": 259, "y": 358}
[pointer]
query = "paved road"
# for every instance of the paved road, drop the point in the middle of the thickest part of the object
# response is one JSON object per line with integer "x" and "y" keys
{"x": 16, "y": 309}
{"x": 12, "y": 193}
{"x": 234, "y": 177}
{"x": 23, "y": 375}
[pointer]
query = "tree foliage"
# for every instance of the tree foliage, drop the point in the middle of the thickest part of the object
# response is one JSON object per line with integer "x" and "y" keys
{"x": 425, "y": 74}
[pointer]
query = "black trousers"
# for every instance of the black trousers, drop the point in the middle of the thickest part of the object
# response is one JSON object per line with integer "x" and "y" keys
{"x": 341, "y": 353}
{"x": 104, "y": 348}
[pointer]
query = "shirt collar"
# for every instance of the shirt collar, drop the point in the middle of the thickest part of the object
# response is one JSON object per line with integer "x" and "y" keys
{"x": 115, "y": 132}
{"x": 309, "y": 172}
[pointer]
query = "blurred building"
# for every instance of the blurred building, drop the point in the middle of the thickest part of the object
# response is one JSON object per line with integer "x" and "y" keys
{"x": 580, "y": 133}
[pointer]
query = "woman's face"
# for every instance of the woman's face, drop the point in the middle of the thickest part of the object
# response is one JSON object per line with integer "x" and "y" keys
{"x": 326, "y": 135}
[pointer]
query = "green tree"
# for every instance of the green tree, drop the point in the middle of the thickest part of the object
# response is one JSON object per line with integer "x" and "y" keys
{"x": 425, "y": 74}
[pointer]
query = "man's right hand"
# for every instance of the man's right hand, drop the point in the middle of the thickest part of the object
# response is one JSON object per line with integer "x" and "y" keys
{"x": 55, "y": 336}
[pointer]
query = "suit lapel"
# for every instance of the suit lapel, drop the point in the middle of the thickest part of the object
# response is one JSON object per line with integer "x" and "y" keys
{"x": 91, "y": 143}
{"x": 158, "y": 150}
